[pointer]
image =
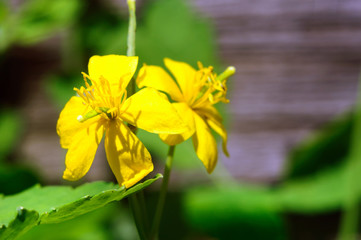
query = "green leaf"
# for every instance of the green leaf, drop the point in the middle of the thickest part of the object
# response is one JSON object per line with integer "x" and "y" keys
{"x": 54, "y": 204}
{"x": 254, "y": 211}
{"x": 23, "y": 222}
{"x": 14, "y": 179}
{"x": 349, "y": 226}
{"x": 89, "y": 226}
{"x": 233, "y": 211}
{"x": 321, "y": 192}
{"x": 323, "y": 150}
{"x": 113, "y": 221}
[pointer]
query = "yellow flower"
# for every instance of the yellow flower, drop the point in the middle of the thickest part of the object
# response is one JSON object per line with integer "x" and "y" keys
{"x": 102, "y": 107}
{"x": 196, "y": 93}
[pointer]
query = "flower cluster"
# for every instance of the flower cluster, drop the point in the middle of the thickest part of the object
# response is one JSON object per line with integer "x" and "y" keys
{"x": 103, "y": 107}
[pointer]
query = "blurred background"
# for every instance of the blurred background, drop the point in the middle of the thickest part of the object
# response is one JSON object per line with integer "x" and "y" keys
{"x": 289, "y": 118}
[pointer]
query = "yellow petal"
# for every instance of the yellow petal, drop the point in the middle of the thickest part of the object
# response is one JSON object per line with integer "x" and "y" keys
{"x": 68, "y": 125}
{"x": 185, "y": 76}
{"x": 187, "y": 116}
{"x": 129, "y": 160}
{"x": 116, "y": 69}
{"x": 209, "y": 111}
{"x": 214, "y": 120}
{"x": 150, "y": 110}
{"x": 82, "y": 151}
{"x": 205, "y": 144}
{"x": 219, "y": 128}
{"x": 156, "y": 77}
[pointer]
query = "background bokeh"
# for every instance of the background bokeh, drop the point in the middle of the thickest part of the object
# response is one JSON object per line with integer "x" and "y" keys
{"x": 298, "y": 65}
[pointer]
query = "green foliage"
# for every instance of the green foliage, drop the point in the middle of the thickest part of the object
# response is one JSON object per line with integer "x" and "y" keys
{"x": 11, "y": 127}
{"x": 317, "y": 193}
{"x": 234, "y": 211}
{"x": 54, "y": 204}
{"x": 40, "y": 18}
{"x": 14, "y": 179}
{"x": 349, "y": 227}
{"x": 168, "y": 28}
{"x": 4, "y": 28}
{"x": 105, "y": 223}
{"x": 255, "y": 212}
{"x": 171, "y": 29}
{"x": 35, "y": 21}
{"x": 60, "y": 88}
{"x": 324, "y": 149}
{"x": 184, "y": 157}
{"x": 87, "y": 226}
{"x": 317, "y": 182}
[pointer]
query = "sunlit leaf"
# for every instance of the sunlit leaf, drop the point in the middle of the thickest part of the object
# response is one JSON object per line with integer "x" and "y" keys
{"x": 90, "y": 226}
{"x": 54, "y": 204}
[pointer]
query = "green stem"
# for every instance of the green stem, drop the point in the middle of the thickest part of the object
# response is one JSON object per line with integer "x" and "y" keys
{"x": 132, "y": 28}
{"x": 163, "y": 193}
{"x": 139, "y": 211}
{"x": 141, "y": 197}
{"x": 138, "y": 217}
{"x": 131, "y": 40}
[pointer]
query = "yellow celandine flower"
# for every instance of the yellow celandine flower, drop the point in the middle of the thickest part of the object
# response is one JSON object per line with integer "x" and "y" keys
{"x": 196, "y": 93}
{"x": 102, "y": 107}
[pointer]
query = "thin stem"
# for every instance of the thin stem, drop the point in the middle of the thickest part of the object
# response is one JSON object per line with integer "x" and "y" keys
{"x": 132, "y": 28}
{"x": 141, "y": 198}
{"x": 131, "y": 40}
{"x": 139, "y": 211}
{"x": 163, "y": 193}
{"x": 137, "y": 214}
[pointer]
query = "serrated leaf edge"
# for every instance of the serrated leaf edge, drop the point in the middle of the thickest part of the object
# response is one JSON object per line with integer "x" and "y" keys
{"x": 82, "y": 200}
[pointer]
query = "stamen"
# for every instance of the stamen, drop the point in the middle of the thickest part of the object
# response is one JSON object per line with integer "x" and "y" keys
{"x": 226, "y": 74}
{"x": 99, "y": 97}
{"x": 92, "y": 113}
{"x": 212, "y": 88}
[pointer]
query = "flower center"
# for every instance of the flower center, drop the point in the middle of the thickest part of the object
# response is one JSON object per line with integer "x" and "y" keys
{"x": 101, "y": 98}
{"x": 211, "y": 87}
